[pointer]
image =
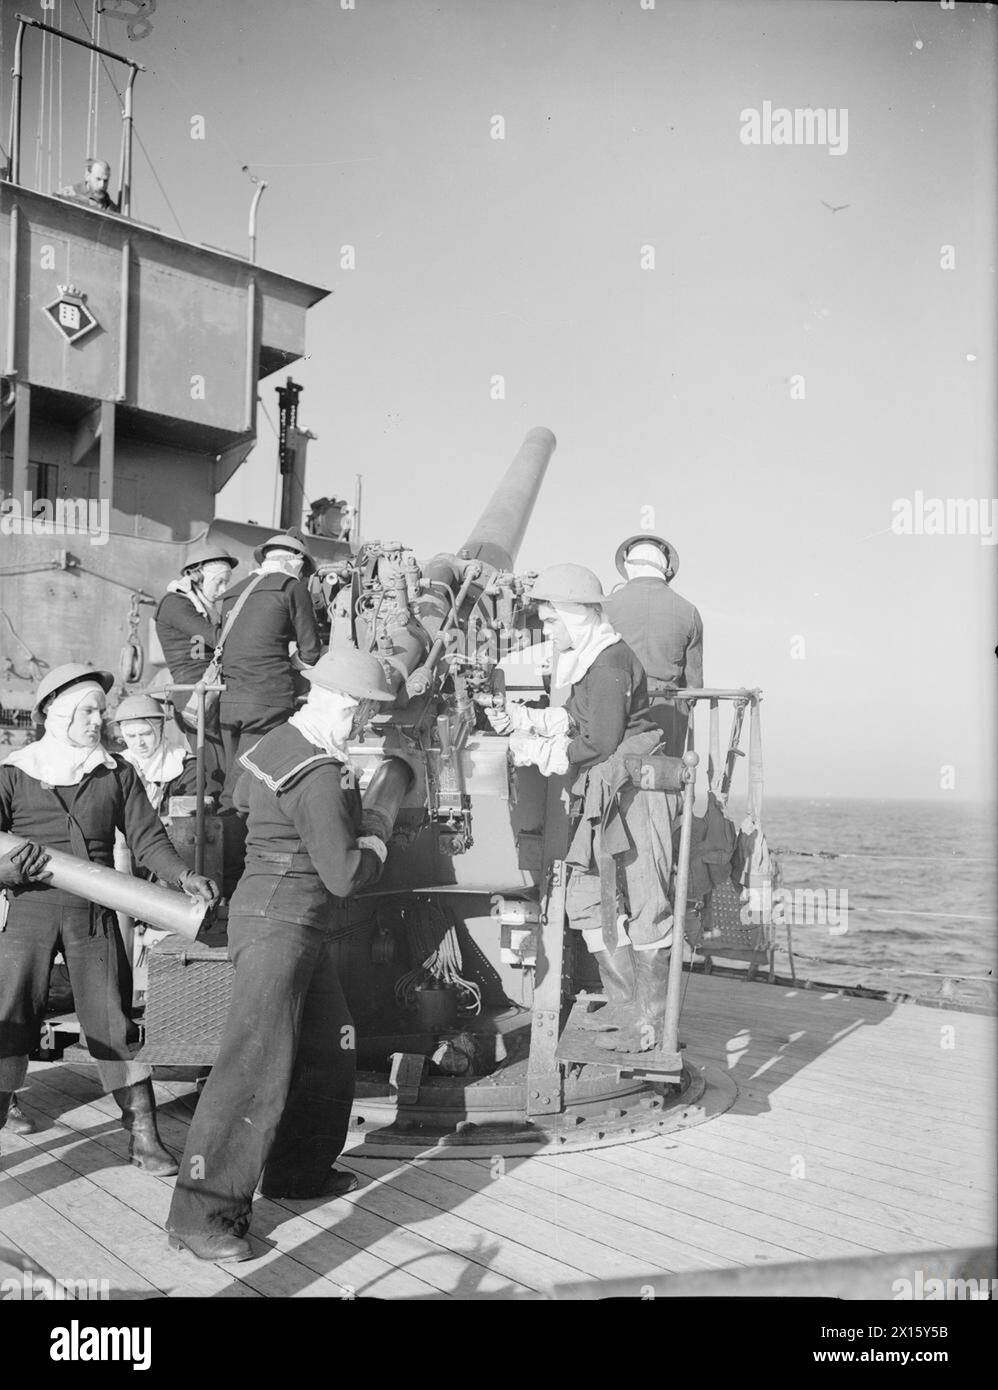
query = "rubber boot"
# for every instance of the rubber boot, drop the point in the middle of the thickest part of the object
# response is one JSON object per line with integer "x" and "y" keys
{"x": 138, "y": 1115}
{"x": 616, "y": 971}
{"x": 643, "y": 1030}
{"x": 17, "y": 1121}
{"x": 5, "y": 1099}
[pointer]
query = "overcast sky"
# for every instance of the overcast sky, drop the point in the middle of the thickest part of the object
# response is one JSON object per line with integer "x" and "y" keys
{"x": 675, "y": 388}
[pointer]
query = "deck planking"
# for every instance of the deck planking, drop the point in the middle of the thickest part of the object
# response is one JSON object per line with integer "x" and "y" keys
{"x": 861, "y": 1127}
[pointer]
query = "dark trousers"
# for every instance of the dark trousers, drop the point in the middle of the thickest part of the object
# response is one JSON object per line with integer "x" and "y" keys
{"x": 673, "y": 721}
{"x": 99, "y": 973}
{"x": 243, "y": 722}
{"x": 278, "y": 1099}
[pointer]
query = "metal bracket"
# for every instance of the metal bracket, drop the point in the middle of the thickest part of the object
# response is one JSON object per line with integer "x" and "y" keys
{"x": 405, "y": 1075}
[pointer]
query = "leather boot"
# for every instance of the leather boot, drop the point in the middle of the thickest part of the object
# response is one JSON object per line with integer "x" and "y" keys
{"x": 138, "y": 1115}
{"x": 5, "y": 1099}
{"x": 616, "y": 971}
{"x": 642, "y": 1031}
{"x": 17, "y": 1121}
{"x": 212, "y": 1245}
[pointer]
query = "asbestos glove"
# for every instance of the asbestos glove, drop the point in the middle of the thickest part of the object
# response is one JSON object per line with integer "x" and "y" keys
{"x": 523, "y": 749}
{"x": 376, "y": 823}
{"x": 524, "y": 719}
{"x": 197, "y": 886}
{"x": 545, "y": 722}
{"x": 500, "y": 719}
{"x": 375, "y": 844}
{"x": 25, "y": 864}
{"x": 552, "y": 756}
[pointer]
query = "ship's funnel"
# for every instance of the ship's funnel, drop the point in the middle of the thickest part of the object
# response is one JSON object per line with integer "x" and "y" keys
{"x": 496, "y": 536}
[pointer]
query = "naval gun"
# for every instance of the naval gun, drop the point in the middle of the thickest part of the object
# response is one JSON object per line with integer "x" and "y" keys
{"x": 455, "y": 964}
{"x": 440, "y": 631}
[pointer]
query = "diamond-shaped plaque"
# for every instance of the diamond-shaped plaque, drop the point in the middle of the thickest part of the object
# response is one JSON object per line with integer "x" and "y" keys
{"x": 70, "y": 314}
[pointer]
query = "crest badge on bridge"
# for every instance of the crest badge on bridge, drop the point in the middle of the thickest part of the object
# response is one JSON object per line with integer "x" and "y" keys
{"x": 70, "y": 315}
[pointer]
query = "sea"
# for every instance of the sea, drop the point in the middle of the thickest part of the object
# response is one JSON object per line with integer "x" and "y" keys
{"x": 921, "y": 906}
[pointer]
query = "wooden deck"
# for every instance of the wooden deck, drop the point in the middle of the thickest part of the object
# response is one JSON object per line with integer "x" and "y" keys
{"x": 860, "y": 1127}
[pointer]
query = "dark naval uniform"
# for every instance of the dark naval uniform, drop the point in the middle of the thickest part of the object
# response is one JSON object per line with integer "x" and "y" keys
{"x": 80, "y": 820}
{"x": 256, "y": 666}
{"x": 278, "y": 1099}
{"x": 188, "y": 642}
{"x": 666, "y": 632}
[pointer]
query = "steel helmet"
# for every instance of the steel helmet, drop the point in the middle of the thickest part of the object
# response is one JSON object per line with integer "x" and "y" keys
{"x": 203, "y": 552}
{"x": 284, "y": 542}
{"x": 353, "y": 672}
{"x": 567, "y": 584}
{"x": 62, "y": 678}
{"x": 643, "y": 537}
{"x": 139, "y": 707}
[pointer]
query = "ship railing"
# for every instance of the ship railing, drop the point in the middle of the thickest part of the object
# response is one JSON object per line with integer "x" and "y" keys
{"x": 14, "y": 173}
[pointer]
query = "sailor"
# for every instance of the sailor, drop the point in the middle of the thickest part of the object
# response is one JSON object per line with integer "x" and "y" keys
{"x": 94, "y": 188}
{"x": 661, "y": 627}
{"x": 187, "y": 628}
{"x": 278, "y": 1099}
{"x": 621, "y": 850}
{"x": 67, "y": 792}
{"x": 164, "y": 771}
{"x": 257, "y": 666}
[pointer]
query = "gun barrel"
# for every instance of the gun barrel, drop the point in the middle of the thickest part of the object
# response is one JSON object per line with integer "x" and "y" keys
{"x": 161, "y": 907}
{"x": 495, "y": 539}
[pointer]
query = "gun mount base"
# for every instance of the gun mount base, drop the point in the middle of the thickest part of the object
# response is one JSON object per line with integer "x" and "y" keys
{"x": 457, "y": 1117}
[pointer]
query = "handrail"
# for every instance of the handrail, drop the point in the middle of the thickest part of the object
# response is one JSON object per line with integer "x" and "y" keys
{"x": 200, "y": 689}
{"x": 14, "y": 173}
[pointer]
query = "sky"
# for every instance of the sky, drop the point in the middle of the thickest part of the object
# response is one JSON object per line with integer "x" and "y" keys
{"x": 766, "y": 389}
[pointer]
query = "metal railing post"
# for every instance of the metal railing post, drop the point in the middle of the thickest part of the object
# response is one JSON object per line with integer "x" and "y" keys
{"x": 670, "y": 1029}
{"x": 125, "y": 193}
{"x": 199, "y": 783}
{"x": 15, "y": 106}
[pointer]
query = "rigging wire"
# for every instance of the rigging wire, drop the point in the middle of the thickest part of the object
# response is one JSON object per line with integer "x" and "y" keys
{"x": 135, "y": 129}
{"x": 51, "y": 80}
{"x": 96, "y": 39}
{"x": 59, "y": 141}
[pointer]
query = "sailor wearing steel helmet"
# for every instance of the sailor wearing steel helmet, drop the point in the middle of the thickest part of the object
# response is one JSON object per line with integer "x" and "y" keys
{"x": 661, "y": 627}
{"x": 621, "y": 850}
{"x": 67, "y": 792}
{"x": 278, "y": 1100}
{"x": 187, "y": 628}
{"x": 257, "y": 668}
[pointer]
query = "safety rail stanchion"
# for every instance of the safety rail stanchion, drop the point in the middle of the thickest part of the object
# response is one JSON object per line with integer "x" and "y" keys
{"x": 199, "y": 783}
{"x": 200, "y": 690}
{"x": 670, "y": 1030}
